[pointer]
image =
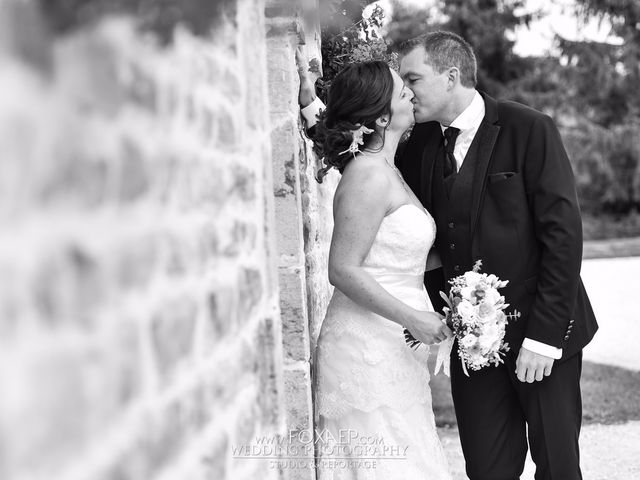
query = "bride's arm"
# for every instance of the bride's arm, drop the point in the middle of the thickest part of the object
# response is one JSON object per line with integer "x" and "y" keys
{"x": 310, "y": 104}
{"x": 358, "y": 213}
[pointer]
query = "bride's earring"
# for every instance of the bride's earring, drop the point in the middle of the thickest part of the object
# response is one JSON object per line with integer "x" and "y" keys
{"x": 382, "y": 122}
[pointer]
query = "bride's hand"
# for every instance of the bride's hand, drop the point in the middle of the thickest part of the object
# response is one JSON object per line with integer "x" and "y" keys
{"x": 307, "y": 91}
{"x": 428, "y": 327}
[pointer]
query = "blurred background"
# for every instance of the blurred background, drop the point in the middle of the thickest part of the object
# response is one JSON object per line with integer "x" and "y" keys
{"x": 163, "y": 240}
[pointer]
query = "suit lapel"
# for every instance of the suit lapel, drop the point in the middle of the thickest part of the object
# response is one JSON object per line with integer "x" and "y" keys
{"x": 488, "y": 134}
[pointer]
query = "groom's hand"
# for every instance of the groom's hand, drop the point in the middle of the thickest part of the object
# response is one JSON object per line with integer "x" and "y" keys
{"x": 532, "y": 367}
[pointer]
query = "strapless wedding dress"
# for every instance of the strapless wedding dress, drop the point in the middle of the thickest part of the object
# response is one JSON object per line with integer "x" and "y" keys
{"x": 373, "y": 402}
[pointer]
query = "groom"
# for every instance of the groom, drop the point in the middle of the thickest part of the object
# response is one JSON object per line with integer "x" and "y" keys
{"x": 498, "y": 182}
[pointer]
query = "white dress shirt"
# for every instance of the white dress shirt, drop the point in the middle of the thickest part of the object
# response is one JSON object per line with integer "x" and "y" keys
{"x": 468, "y": 122}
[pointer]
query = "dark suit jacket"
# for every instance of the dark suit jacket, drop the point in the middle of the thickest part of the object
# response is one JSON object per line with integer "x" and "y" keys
{"x": 525, "y": 219}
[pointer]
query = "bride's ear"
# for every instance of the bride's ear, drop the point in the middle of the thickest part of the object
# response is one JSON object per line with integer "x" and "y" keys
{"x": 383, "y": 121}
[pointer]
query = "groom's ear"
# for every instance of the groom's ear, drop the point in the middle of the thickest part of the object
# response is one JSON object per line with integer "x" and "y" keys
{"x": 453, "y": 77}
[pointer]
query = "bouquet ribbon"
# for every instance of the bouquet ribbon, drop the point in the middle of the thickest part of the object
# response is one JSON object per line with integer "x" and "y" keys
{"x": 443, "y": 359}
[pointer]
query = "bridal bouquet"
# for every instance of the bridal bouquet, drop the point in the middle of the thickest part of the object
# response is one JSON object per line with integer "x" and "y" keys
{"x": 475, "y": 314}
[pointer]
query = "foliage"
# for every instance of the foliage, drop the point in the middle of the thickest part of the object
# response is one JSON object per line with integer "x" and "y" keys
{"x": 624, "y": 228}
{"x": 347, "y": 37}
{"x": 603, "y": 82}
{"x": 604, "y": 75}
{"x": 606, "y": 162}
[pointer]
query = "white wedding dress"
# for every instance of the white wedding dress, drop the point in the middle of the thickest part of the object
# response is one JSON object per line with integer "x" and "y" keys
{"x": 375, "y": 416}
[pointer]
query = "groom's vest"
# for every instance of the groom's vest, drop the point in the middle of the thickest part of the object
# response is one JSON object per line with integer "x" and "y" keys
{"x": 451, "y": 208}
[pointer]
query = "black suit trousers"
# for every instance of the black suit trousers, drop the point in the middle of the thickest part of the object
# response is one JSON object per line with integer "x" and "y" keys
{"x": 493, "y": 409}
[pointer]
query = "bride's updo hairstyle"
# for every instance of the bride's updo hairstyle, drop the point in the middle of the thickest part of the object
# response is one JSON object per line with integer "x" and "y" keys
{"x": 358, "y": 96}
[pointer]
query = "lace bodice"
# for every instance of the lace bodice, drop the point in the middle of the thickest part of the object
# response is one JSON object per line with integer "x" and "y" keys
{"x": 402, "y": 242}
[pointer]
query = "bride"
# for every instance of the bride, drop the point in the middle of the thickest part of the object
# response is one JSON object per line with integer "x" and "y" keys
{"x": 372, "y": 391}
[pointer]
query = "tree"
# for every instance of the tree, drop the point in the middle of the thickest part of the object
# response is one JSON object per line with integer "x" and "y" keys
{"x": 606, "y": 75}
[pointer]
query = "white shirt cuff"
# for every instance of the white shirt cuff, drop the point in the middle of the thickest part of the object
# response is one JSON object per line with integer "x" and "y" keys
{"x": 542, "y": 349}
{"x": 310, "y": 112}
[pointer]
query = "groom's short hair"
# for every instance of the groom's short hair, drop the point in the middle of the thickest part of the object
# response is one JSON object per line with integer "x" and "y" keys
{"x": 444, "y": 50}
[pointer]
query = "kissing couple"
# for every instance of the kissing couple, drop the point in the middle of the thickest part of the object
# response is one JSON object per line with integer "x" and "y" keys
{"x": 477, "y": 179}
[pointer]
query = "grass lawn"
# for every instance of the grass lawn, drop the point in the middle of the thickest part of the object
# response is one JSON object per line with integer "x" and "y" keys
{"x": 619, "y": 247}
{"x": 603, "y": 226}
{"x": 609, "y": 395}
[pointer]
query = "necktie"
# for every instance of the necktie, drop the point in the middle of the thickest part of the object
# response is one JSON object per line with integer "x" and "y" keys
{"x": 450, "y": 135}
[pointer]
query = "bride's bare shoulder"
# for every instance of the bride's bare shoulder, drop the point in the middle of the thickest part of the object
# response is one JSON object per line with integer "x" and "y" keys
{"x": 364, "y": 178}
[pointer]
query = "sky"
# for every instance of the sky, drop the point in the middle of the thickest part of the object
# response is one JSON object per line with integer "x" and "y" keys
{"x": 561, "y": 18}
{"x": 538, "y": 39}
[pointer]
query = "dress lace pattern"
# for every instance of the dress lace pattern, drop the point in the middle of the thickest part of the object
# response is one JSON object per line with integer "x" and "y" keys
{"x": 367, "y": 378}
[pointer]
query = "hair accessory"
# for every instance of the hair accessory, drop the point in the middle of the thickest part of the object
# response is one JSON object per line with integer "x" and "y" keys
{"x": 358, "y": 133}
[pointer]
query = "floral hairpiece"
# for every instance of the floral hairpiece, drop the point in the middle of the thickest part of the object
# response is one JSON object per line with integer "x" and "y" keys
{"x": 358, "y": 133}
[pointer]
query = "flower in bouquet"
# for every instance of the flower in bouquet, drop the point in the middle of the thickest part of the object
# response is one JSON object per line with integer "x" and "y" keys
{"x": 475, "y": 314}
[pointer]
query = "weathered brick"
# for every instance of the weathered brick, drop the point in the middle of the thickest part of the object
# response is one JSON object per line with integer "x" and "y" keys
{"x": 246, "y": 422}
{"x": 83, "y": 182}
{"x": 161, "y": 440}
{"x": 289, "y": 231}
{"x": 190, "y": 107}
{"x": 299, "y": 417}
{"x": 98, "y": 71}
{"x": 294, "y": 315}
{"x": 116, "y": 369}
{"x": 285, "y": 155}
{"x": 241, "y": 238}
{"x": 223, "y": 307}
{"x": 172, "y": 331}
{"x": 134, "y": 262}
{"x": 24, "y": 32}
{"x": 46, "y": 407}
{"x": 227, "y": 133}
{"x": 214, "y": 462}
{"x": 249, "y": 291}
{"x": 134, "y": 175}
{"x": 298, "y": 398}
{"x": 270, "y": 393}
{"x": 141, "y": 89}
{"x": 68, "y": 286}
{"x": 244, "y": 183}
{"x": 283, "y": 76}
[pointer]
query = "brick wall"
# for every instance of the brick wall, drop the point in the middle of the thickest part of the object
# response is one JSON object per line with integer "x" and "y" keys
{"x": 303, "y": 214}
{"x": 162, "y": 240}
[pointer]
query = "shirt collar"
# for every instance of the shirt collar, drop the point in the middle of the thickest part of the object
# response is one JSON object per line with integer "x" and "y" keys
{"x": 470, "y": 117}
